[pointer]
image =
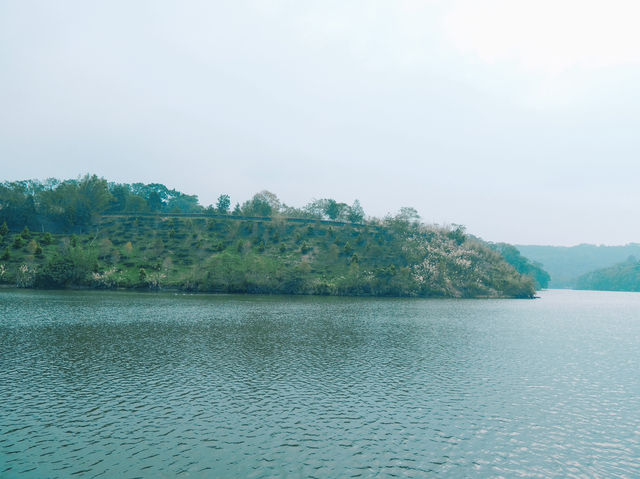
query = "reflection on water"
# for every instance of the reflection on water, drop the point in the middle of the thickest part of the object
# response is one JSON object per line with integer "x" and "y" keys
{"x": 145, "y": 385}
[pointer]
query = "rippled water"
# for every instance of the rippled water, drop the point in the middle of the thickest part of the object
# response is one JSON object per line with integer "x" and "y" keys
{"x": 125, "y": 385}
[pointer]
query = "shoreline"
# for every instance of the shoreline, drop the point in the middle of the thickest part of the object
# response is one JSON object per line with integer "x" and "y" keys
{"x": 6, "y": 287}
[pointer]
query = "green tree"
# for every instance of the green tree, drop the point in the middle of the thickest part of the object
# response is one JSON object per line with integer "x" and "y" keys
{"x": 457, "y": 234}
{"x": 264, "y": 203}
{"x": 408, "y": 215}
{"x": 184, "y": 204}
{"x": 223, "y": 204}
{"x": 335, "y": 210}
{"x": 76, "y": 202}
{"x": 356, "y": 213}
{"x": 154, "y": 200}
{"x": 4, "y": 229}
{"x": 17, "y": 202}
{"x": 93, "y": 198}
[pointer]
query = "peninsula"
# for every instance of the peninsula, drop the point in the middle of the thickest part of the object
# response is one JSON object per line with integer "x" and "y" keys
{"x": 91, "y": 233}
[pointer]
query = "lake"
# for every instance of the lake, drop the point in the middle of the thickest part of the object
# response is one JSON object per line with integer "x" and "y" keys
{"x": 121, "y": 384}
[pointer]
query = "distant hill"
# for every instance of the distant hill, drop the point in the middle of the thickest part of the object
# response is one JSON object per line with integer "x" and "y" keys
{"x": 566, "y": 264}
{"x": 623, "y": 276}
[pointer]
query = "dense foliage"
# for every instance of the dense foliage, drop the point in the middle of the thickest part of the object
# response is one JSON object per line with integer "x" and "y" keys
{"x": 323, "y": 248}
{"x": 523, "y": 265}
{"x": 74, "y": 205}
{"x": 623, "y": 276}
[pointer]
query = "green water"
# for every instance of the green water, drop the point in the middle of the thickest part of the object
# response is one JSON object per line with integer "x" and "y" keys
{"x": 125, "y": 385}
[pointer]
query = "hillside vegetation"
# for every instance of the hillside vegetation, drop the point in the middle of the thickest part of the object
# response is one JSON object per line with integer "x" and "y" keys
{"x": 523, "y": 265}
{"x": 624, "y": 276}
{"x": 124, "y": 236}
{"x": 566, "y": 264}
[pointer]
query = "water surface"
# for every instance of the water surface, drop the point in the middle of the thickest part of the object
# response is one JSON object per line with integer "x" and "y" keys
{"x": 99, "y": 384}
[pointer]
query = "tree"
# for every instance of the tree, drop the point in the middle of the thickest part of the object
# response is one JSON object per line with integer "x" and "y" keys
{"x": 264, "y": 203}
{"x": 457, "y": 233}
{"x": 4, "y": 229}
{"x": 223, "y": 204}
{"x": 316, "y": 209}
{"x": 76, "y": 202}
{"x": 332, "y": 210}
{"x": 154, "y": 200}
{"x": 270, "y": 198}
{"x": 17, "y": 205}
{"x": 408, "y": 214}
{"x": 121, "y": 194}
{"x": 335, "y": 210}
{"x": 184, "y": 204}
{"x": 356, "y": 213}
{"x": 94, "y": 197}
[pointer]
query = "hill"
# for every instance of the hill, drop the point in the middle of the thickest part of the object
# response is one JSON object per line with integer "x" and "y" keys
{"x": 522, "y": 265}
{"x": 566, "y": 264}
{"x": 329, "y": 249}
{"x": 624, "y": 276}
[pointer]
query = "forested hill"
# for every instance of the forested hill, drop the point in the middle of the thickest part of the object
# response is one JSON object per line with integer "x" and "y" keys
{"x": 91, "y": 233}
{"x": 624, "y": 276}
{"x": 566, "y": 264}
{"x": 523, "y": 265}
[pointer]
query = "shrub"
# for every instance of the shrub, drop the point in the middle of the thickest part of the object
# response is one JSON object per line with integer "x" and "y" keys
{"x": 58, "y": 273}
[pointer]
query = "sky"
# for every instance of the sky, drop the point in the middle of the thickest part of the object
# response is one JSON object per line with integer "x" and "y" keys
{"x": 518, "y": 119}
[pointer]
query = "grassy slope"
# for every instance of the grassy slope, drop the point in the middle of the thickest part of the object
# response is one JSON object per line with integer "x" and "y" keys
{"x": 227, "y": 255}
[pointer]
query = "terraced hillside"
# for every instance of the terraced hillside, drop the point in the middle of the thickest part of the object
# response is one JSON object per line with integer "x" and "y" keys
{"x": 394, "y": 257}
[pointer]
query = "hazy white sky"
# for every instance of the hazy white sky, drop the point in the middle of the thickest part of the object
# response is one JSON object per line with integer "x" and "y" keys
{"x": 518, "y": 119}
